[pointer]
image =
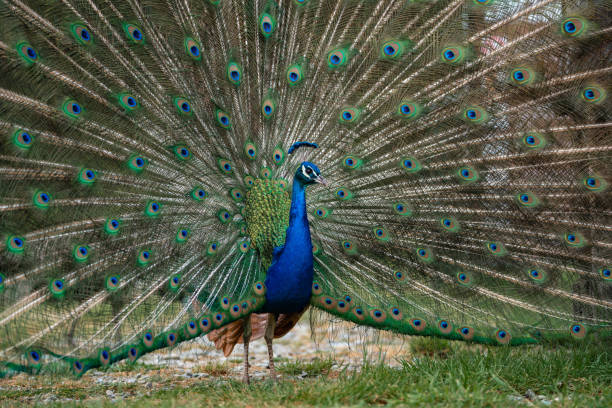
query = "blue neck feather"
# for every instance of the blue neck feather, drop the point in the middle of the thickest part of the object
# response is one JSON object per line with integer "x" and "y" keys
{"x": 289, "y": 278}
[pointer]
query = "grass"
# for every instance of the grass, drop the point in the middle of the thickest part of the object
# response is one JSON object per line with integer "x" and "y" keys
{"x": 316, "y": 367}
{"x": 435, "y": 373}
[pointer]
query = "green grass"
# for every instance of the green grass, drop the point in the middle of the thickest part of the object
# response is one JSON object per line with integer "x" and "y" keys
{"x": 435, "y": 373}
{"x": 314, "y": 368}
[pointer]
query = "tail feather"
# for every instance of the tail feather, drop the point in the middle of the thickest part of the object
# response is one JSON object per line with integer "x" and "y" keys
{"x": 466, "y": 144}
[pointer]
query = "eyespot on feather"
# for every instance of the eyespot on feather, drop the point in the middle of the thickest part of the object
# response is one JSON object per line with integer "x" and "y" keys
{"x": 381, "y": 234}
{"x": 249, "y": 181}
{"x": 349, "y": 248}
{"x": 396, "y": 313}
{"x": 145, "y": 256}
{"x": 593, "y": 94}
{"x": 342, "y": 306}
{"x": 23, "y": 139}
{"x": 321, "y": 212}
{"x": 466, "y": 332}
{"x": 338, "y": 57}
{"x": 81, "y": 253}
{"x": 349, "y": 115}
{"x": 193, "y": 49}
{"x": 527, "y": 199}
{"x": 250, "y": 150}
{"x": 449, "y": 224}
{"x": 87, "y": 176}
{"x": 467, "y": 174}
{"x": 27, "y": 53}
{"x": 243, "y": 247}
{"x": 57, "y": 287}
{"x": 409, "y": 110}
{"x": 234, "y": 73}
{"x": 198, "y": 193}
{"x": 574, "y": 26}
{"x": 41, "y": 199}
{"x": 128, "y": 102}
{"x": 278, "y": 156}
{"x": 212, "y": 248}
{"x": 267, "y": 24}
{"x": 218, "y": 319}
{"x": 453, "y": 55}
{"x": 133, "y": 33}
{"x": 153, "y": 209}
{"x": 464, "y": 278}
{"x": 578, "y": 331}
{"x": 72, "y": 108}
{"x": 351, "y": 162}
{"x": 424, "y": 255}
{"x": 402, "y": 209}
{"x": 496, "y": 248}
{"x": 410, "y": 165}
{"x": 574, "y": 239}
{"x": 594, "y": 183}
{"x": 343, "y": 194}
{"x": 34, "y": 358}
{"x": 259, "y": 288}
{"x": 399, "y": 275}
{"x": 104, "y": 357}
{"x": 265, "y": 173}
{"x": 418, "y": 324}
{"x": 133, "y": 353}
{"x": 359, "y": 313}
{"x": 223, "y": 119}
{"x": 81, "y": 33}
{"x": 503, "y": 336}
{"x": 224, "y": 215}
{"x": 475, "y": 115}
{"x": 225, "y": 166}
{"x": 537, "y": 275}
{"x": 16, "y": 245}
{"x": 522, "y": 76}
{"x": 181, "y": 152}
{"x": 174, "y": 282}
{"x": 378, "y": 315}
{"x": 294, "y": 74}
{"x": 268, "y": 107}
{"x": 137, "y": 163}
{"x": 533, "y": 140}
{"x": 192, "y": 328}
{"x": 78, "y": 368}
{"x": 205, "y": 324}
{"x": 182, "y": 235}
{"x": 171, "y": 338}
{"x": 112, "y": 282}
{"x": 327, "y": 302}
{"x": 444, "y": 326}
{"x": 183, "y": 106}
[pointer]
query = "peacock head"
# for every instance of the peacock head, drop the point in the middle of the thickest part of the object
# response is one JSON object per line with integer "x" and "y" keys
{"x": 309, "y": 173}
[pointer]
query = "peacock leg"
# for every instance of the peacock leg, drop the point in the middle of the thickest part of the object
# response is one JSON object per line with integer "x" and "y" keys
{"x": 269, "y": 336}
{"x": 246, "y": 336}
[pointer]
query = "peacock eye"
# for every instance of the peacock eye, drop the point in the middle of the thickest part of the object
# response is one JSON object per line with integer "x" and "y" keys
{"x": 308, "y": 170}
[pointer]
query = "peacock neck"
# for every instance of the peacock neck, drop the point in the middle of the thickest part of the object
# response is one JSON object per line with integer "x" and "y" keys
{"x": 289, "y": 278}
{"x": 298, "y": 220}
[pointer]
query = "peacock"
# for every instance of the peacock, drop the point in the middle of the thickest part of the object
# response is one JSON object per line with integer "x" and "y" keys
{"x": 173, "y": 169}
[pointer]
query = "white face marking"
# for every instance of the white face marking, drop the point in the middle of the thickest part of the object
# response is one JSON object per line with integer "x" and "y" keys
{"x": 304, "y": 172}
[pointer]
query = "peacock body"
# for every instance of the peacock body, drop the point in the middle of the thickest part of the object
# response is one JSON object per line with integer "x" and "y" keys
{"x": 155, "y": 158}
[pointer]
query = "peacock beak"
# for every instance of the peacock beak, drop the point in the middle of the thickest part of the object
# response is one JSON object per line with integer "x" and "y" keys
{"x": 320, "y": 180}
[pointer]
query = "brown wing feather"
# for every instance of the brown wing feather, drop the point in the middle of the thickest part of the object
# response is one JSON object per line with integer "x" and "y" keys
{"x": 229, "y": 335}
